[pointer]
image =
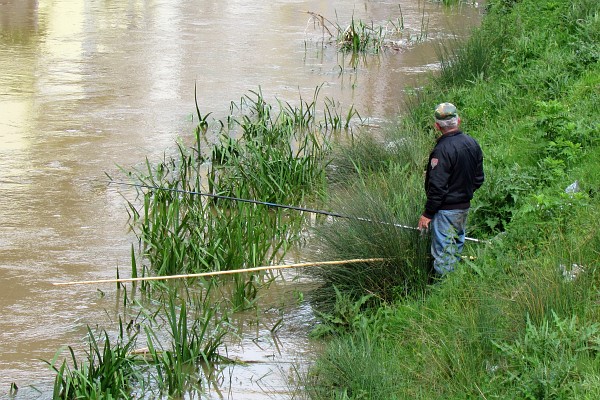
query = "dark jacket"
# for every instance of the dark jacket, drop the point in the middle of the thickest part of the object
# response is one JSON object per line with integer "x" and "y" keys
{"x": 454, "y": 172}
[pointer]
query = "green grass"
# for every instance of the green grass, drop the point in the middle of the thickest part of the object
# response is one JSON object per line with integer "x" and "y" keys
{"x": 196, "y": 335}
{"x": 382, "y": 213}
{"x": 516, "y": 321}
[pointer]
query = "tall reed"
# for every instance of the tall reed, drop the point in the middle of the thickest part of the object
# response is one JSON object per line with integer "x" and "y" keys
{"x": 264, "y": 152}
{"x": 381, "y": 224}
{"x": 463, "y": 63}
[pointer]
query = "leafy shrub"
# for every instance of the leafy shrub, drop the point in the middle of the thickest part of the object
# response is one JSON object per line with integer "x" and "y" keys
{"x": 500, "y": 198}
{"x": 346, "y": 315}
{"x": 552, "y": 360}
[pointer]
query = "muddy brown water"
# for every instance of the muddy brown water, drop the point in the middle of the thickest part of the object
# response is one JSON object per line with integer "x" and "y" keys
{"x": 86, "y": 86}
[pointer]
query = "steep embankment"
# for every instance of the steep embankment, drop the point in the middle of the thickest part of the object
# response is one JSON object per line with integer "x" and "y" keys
{"x": 520, "y": 320}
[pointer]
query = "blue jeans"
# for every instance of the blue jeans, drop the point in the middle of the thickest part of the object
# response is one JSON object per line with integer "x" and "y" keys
{"x": 447, "y": 239}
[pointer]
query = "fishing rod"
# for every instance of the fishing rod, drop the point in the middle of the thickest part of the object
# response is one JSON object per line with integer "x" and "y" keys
{"x": 266, "y": 203}
{"x": 224, "y": 272}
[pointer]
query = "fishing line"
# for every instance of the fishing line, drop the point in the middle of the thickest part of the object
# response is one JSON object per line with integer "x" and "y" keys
{"x": 266, "y": 203}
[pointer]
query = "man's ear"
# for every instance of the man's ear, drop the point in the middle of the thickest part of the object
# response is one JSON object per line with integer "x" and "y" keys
{"x": 438, "y": 127}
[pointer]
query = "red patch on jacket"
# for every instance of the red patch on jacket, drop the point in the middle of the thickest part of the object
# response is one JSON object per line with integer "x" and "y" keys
{"x": 434, "y": 162}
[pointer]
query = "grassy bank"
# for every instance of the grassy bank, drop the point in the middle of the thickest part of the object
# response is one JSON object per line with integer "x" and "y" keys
{"x": 520, "y": 319}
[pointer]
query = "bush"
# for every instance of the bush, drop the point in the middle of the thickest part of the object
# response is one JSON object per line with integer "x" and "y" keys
{"x": 553, "y": 360}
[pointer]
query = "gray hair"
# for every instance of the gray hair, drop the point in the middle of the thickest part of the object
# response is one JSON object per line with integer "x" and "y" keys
{"x": 448, "y": 123}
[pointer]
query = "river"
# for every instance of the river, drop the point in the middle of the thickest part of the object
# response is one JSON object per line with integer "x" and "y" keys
{"x": 88, "y": 86}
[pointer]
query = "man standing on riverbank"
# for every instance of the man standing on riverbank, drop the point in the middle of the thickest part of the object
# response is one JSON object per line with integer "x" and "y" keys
{"x": 454, "y": 172}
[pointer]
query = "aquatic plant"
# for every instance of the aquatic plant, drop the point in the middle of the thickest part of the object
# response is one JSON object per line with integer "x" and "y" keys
{"x": 184, "y": 332}
{"x": 333, "y": 118}
{"x": 187, "y": 218}
{"x": 359, "y": 37}
{"x": 109, "y": 370}
{"x": 195, "y": 334}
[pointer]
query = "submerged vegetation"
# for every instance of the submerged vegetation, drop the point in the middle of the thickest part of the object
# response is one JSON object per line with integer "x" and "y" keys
{"x": 192, "y": 324}
{"x": 360, "y": 37}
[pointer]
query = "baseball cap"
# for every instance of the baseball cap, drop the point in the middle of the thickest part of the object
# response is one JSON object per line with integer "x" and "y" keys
{"x": 445, "y": 111}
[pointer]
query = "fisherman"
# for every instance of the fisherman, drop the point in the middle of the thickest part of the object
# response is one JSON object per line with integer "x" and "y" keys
{"x": 454, "y": 172}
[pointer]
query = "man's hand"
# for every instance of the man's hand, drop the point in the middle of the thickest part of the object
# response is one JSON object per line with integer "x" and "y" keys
{"x": 424, "y": 223}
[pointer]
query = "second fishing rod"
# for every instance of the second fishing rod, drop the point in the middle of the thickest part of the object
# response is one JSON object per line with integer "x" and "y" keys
{"x": 269, "y": 204}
